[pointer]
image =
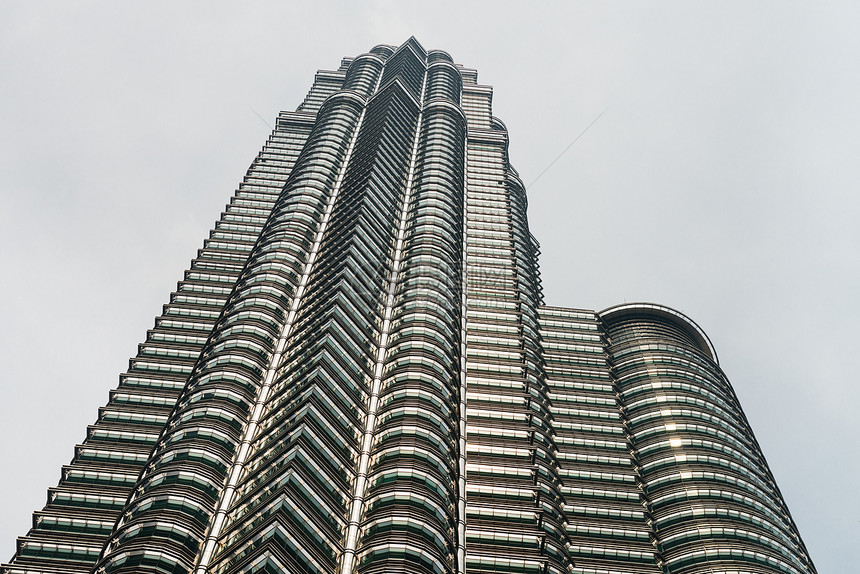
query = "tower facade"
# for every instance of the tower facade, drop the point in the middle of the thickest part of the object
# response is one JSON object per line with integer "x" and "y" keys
{"x": 358, "y": 374}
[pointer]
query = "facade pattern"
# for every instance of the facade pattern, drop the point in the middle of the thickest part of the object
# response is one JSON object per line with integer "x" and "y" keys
{"x": 358, "y": 375}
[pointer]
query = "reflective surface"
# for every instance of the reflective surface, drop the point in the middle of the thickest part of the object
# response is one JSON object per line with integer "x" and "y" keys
{"x": 357, "y": 375}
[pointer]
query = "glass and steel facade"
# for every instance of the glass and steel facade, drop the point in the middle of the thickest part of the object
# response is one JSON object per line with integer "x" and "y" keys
{"x": 358, "y": 375}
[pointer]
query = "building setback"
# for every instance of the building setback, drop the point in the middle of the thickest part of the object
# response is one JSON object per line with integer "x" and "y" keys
{"x": 357, "y": 375}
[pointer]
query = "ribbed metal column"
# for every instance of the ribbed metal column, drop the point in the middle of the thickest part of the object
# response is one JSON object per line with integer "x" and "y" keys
{"x": 410, "y": 510}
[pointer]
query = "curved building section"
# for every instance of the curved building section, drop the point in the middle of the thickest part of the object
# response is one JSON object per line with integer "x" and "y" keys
{"x": 363, "y": 74}
{"x": 672, "y": 325}
{"x": 443, "y": 81}
{"x": 712, "y": 501}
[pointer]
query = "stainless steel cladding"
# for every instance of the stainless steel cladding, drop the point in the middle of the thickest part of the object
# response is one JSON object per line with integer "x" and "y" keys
{"x": 358, "y": 375}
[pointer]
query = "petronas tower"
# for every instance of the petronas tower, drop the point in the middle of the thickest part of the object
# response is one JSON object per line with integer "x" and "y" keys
{"x": 357, "y": 374}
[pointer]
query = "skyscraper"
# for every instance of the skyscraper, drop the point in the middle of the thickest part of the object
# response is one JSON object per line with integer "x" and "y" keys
{"x": 357, "y": 374}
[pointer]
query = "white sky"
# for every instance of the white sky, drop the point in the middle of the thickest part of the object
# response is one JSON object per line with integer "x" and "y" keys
{"x": 721, "y": 181}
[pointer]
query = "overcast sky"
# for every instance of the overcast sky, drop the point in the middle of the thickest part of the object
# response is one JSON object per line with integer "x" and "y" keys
{"x": 721, "y": 180}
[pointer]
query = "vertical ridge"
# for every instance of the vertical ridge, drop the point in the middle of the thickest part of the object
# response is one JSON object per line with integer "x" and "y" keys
{"x": 227, "y": 493}
{"x": 357, "y": 506}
